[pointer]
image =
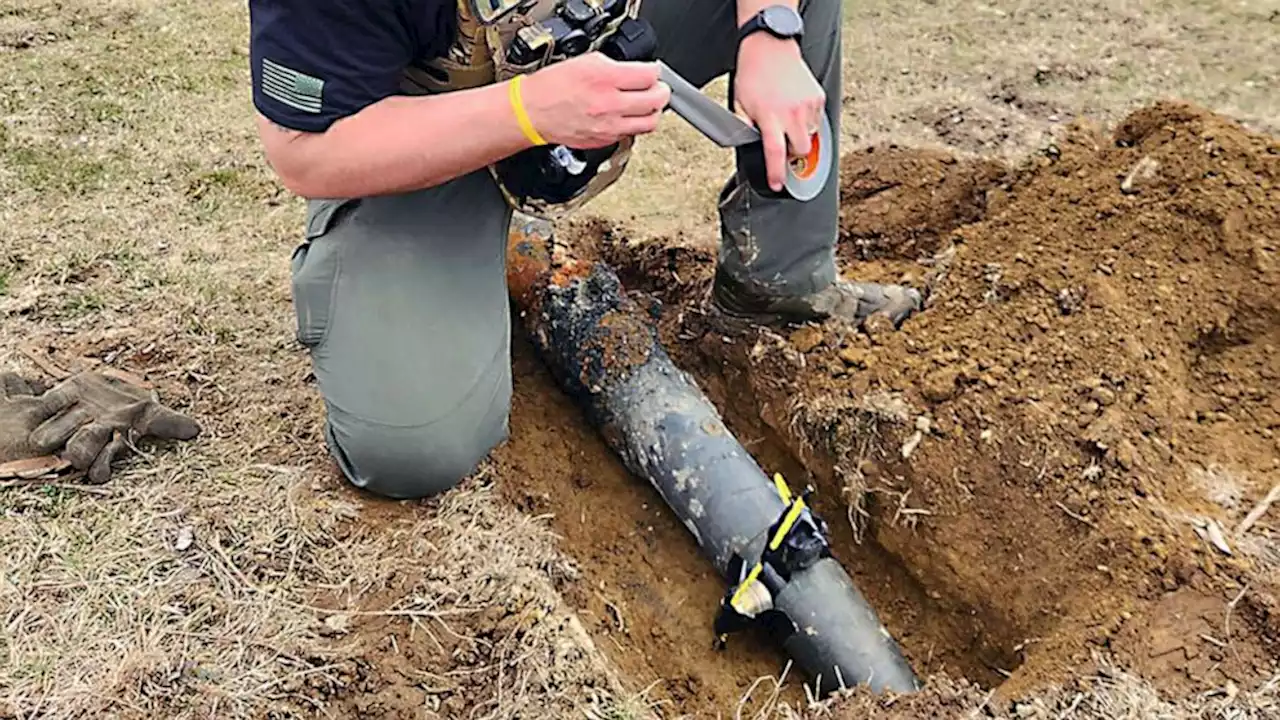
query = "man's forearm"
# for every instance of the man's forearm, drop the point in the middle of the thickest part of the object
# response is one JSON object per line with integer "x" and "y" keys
{"x": 397, "y": 145}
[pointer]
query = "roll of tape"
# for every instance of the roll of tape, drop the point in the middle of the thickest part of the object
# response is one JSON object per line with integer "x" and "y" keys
{"x": 806, "y": 176}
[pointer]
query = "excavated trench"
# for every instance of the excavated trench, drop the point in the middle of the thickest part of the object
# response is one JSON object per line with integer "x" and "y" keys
{"x": 647, "y": 591}
{"x": 649, "y": 597}
{"x": 1032, "y": 462}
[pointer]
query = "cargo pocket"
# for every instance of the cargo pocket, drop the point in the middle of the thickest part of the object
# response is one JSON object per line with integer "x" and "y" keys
{"x": 314, "y": 266}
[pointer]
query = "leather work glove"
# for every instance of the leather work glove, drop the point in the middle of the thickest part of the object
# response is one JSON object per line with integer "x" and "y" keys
{"x": 21, "y": 411}
{"x": 88, "y": 419}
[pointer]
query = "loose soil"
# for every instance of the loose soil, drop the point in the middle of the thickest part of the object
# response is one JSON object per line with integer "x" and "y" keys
{"x": 1047, "y": 467}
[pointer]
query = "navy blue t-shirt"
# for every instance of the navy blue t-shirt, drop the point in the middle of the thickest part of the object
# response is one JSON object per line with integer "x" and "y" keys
{"x": 318, "y": 61}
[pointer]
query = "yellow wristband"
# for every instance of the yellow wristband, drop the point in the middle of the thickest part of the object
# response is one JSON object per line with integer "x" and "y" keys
{"x": 522, "y": 116}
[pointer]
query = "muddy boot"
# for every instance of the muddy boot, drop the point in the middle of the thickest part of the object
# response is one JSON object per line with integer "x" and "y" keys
{"x": 851, "y": 301}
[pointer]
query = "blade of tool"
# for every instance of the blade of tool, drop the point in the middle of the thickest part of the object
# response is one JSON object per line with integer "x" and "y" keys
{"x": 706, "y": 115}
{"x": 728, "y": 130}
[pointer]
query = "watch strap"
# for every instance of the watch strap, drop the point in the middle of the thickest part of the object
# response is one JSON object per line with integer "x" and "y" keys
{"x": 757, "y": 23}
{"x": 752, "y": 26}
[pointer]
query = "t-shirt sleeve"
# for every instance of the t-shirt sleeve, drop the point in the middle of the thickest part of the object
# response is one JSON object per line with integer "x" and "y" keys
{"x": 317, "y": 61}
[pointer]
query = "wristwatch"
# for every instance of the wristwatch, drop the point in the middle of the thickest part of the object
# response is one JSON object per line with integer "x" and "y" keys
{"x": 779, "y": 21}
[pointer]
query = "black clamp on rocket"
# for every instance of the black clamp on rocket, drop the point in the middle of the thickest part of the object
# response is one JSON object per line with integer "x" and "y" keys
{"x": 796, "y": 541}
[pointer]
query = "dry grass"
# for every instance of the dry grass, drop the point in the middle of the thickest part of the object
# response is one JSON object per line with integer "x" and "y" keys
{"x": 141, "y": 227}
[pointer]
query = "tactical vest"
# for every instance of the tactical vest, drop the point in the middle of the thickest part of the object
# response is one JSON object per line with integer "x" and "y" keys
{"x": 480, "y": 55}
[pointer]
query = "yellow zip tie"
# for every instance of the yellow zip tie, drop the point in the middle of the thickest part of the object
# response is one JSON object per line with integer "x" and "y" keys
{"x": 783, "y": 491}
{"x": 522, "y": 116}
{"x": 736, "y": 600}
{"x": 792, "y": 515}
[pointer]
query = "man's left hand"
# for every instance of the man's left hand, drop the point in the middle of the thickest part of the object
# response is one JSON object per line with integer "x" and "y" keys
{"x": 776, "y": 91}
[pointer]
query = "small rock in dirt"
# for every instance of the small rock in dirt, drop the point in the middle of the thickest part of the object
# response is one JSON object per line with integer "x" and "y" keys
{"x": 853, "y": 357}
{"x": 1103, "y": 431}
{"x": 1103, "y": 396}
{"x": 1141, "y": 174}
{"x": 1126, "y": 454}
{"x": 1032, "y": 710}
{"x": 941, "y": 385}
{"x": 186, "y": 537}
{"x": 806, "y": 338}
{"x": 1071, "y": 300}
{"x": 913, "y": 442}
{"x": 337, "y": 625}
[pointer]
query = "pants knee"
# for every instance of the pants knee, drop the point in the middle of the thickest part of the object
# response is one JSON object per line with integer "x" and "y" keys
{"x": 413, "y": 463}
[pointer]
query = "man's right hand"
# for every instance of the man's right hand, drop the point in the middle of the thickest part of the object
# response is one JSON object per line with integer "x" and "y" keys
{"x": 593, "y": 101}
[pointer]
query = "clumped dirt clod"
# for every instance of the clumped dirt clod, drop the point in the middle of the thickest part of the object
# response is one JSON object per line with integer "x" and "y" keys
{"x": 1058, "y": 453}
{"x": 901, "y": 202}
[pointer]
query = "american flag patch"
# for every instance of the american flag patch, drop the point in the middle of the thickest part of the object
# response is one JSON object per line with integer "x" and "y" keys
{"x": 297, "y": 90}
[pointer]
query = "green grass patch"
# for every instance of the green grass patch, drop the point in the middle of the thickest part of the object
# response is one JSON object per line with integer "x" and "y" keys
{"x": 47, "y": 167}
{"x": 81, "y": 304}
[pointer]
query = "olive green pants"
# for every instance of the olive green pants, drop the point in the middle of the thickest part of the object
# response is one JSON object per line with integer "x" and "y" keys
{"x": 402, "y": 301}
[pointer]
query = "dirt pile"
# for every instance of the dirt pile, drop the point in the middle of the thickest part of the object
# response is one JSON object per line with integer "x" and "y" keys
{"x": 903, "y": 202}
{"x": 1058, "y": 459}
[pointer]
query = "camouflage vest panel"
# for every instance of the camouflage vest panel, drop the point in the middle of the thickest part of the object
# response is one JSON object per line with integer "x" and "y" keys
{"x": 478, "y": 57}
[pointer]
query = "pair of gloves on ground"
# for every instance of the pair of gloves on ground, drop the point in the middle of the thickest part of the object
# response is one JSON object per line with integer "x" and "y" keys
{"x": 88, "y": 420}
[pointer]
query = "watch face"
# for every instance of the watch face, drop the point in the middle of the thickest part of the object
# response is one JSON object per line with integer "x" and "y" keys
{"x": 782, "y": 20}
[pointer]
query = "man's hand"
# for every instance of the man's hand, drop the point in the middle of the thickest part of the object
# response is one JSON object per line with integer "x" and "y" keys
{"x": 88, "y": 419}
{"x": 775, "y": 90}
{"x": 593, "y": 101}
